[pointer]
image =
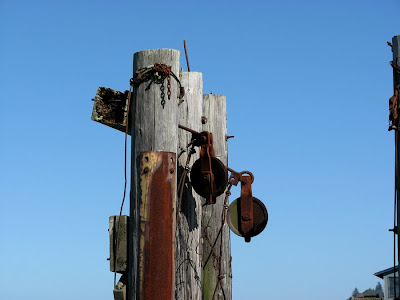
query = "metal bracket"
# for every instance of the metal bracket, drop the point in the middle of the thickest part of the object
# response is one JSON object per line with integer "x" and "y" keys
{"x": 394, "y": 230}
{"x": 246, "y": 206}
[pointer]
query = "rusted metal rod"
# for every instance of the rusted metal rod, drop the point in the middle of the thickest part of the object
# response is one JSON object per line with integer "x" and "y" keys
{"x": 187, "y": 58}
{"x": 231, "y": 170}
{"x": 189, "y": 129}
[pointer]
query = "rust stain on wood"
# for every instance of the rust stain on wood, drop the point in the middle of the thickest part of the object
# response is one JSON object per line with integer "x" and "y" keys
{"x": 157, "y": 225}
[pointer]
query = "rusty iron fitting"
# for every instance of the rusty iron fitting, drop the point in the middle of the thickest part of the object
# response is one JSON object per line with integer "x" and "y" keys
{"x": 246, "y": 207}
{"x": 208, "y": 175}
{"x": 235, "y": 176}
{"x": 247, "y": 215}
{"x": 181, "y": 92}
{"x": 394, "y": 110}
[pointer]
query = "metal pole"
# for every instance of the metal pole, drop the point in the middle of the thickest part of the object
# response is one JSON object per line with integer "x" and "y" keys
{"x": 396, "y": 81}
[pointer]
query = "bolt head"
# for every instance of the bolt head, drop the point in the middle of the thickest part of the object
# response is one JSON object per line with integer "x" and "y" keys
{"x": 246, "y": 217}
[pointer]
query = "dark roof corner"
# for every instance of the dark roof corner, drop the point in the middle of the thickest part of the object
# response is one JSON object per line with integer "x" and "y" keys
{"x": 385, "y": 272}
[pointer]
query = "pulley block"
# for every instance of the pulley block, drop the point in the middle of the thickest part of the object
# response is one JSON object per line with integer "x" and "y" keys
{"x": 260, "y": 218}
{"x": 209, "y": 183}
{"x": 247, "y": 215}
{"x": 209, "y": 176}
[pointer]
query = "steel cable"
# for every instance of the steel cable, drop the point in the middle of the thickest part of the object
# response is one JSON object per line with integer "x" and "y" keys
{"x": 125, "y": 178}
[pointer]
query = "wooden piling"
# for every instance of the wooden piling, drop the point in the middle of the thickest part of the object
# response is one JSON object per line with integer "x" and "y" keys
{"x": 198, "y": 260}
{"x": 188, "y": 274}
{"x": 214, "y": 111}
{"x": 153, "y": 128}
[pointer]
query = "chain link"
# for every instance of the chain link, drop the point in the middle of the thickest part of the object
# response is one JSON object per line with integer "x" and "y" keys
{"x": 162, "y": 89}
{"x": 169, "y": 87}
{"x": 157, "y": 73}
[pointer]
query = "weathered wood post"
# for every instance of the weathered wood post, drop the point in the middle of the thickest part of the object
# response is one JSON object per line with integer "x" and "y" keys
{"x": 188, "y": 272}
{"x": 166, "y": 258}
{"x": 214, "y": 282}
{"x": 152, "y": 209}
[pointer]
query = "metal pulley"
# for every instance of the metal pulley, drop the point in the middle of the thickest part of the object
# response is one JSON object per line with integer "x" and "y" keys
{"x": 208, "y": 175}
{"x": 247, "y": 215}
{"x": 209, "y": 182}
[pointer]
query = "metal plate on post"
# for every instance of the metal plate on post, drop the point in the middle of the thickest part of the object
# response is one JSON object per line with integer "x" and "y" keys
{"x": 260, "y": 217}
{"x": 157, "y": 225}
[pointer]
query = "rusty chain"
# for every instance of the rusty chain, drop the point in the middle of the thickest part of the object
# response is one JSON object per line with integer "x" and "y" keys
{"x": 157, "y": 73}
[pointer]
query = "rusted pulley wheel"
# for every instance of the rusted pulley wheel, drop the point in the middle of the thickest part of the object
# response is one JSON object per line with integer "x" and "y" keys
{"x": 260, "y": 217}
{"x": 200, "y": 183}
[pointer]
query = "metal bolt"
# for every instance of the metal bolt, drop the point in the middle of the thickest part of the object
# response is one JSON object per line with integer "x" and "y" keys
{"x": 146, "y": 170}
{"x": 203, "y": 120}
{"x": 246, "y": 217}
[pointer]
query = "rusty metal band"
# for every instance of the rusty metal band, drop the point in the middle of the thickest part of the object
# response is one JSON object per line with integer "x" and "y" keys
{"x": 157, "y": 225}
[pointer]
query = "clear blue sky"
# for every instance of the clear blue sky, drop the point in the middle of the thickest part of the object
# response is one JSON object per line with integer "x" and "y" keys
{"x": 307, "y": 88}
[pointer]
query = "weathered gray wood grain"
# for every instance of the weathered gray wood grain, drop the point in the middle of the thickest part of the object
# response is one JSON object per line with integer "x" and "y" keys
{"x": 118, "y": 228}
{"x": 214, "y": 109}
{"x": 188, "y": 260}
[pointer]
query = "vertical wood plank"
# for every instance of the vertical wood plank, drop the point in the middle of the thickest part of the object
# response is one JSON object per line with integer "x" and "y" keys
{"x": 153, "y": 128}
{"x": 188, "y": 260}
{"x": 214, "y": 109}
